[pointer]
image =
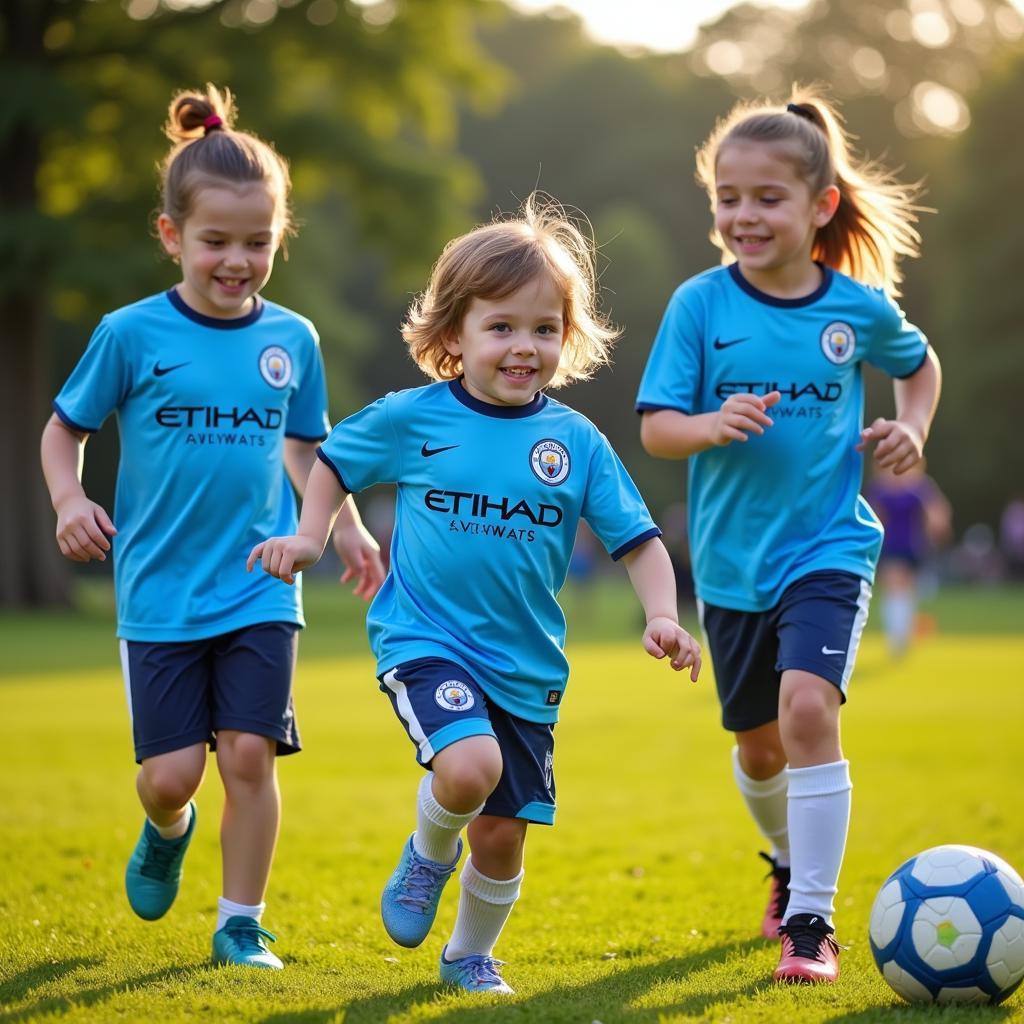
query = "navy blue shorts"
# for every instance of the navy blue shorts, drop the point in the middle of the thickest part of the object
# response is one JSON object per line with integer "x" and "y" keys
{"x": 180, "y": 694}
{"x": 440, "y": 703}
{"x": 816, "y": 627}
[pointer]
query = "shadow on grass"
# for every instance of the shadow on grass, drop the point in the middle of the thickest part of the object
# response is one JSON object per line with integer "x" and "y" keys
{"x": 928, "y": 1012}
{"x": 42, "y": 974}
{"x": 609, "y": 994}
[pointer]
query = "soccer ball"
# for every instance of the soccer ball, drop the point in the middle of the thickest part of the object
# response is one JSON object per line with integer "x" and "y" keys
{"x": 948, "y": 927}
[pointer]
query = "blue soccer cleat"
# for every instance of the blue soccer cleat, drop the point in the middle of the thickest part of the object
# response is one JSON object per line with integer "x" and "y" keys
{"x": 154, "y": 870}
{"x": 408, "y": 904}
{"x": 475, "y": 973}
{"x": 241, "y": 941}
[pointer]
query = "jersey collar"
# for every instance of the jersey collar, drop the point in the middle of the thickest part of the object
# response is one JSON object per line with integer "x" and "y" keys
{"x": 501, "y": 412}
{"x": 220, "y": 323}
{"x": 771, "y": 300}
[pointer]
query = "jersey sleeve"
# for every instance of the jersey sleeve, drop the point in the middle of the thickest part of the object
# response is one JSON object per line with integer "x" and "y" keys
{"x": 307, "y": 410}
{"x": 363, "y": 449}
{"x": 612, "y": 505}
{"x": 99, "y": 383}
{"x": 671, "y": 379}
{"x": 897, "y": 347}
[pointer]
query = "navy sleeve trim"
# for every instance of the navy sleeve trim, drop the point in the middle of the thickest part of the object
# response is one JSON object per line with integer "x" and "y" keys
{"x": 70, "y": 423}
{"x": 651, "y": 407}
{"x": 334, "y": 469}
{"x": 643, "y": 538}
{"x": 924, "y": 359}
{"x": 306, "y": 437}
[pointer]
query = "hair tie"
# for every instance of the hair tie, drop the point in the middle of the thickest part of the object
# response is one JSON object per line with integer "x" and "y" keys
{"x": 794, "y": 108}
{"x": 212, "y": 124}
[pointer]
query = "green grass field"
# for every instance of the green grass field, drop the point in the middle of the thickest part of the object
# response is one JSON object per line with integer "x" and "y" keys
{"x": 640, "y": 906}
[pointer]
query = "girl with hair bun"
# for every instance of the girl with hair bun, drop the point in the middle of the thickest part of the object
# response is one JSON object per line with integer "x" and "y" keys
{"x": 219, "y": 396}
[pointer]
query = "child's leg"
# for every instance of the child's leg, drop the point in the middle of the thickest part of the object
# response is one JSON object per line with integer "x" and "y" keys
{"x": 491, "y": 879}
{"x": 759, "y": 764}
{"x": 453, "y": 794}
{"x": 252, "y": 813}
{"x": 819, "y": 791}
{"x": 166, "y": 783}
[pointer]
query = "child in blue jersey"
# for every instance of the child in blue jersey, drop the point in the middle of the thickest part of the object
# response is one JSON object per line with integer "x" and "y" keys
{"x": 493, "y": 478}
{"x": 218, "y": 394}
{"x": 756, "y": 377}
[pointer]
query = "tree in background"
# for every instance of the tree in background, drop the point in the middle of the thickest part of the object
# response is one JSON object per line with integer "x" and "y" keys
{"x": 361, "y": 97}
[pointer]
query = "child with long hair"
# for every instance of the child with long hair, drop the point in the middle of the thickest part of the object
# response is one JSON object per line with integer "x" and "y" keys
{"x": 493, "y": 479}
{"x": 755, "y": 377}
{"x": 218, "y": 394}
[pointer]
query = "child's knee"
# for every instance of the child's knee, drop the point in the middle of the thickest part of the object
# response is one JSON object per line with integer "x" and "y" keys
{"x": 467, "y": 771}
{"x": 245, "y": 757}
{"x": 169, "y": 784}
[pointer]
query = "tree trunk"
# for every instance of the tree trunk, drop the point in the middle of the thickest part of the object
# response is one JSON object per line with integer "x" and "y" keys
{"x": 32, "y": 571}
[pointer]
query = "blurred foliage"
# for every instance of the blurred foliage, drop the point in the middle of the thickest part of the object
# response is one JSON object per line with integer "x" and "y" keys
{"x": 407, "y": 121}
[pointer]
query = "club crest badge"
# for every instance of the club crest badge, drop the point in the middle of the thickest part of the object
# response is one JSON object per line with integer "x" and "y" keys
{"x": 276, "y": 366}
{"x": 550, "y": 462}
{"x": 454, "y": 695}
{"x": 838, "y": 342}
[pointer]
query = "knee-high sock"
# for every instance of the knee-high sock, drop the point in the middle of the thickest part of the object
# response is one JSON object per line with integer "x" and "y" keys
{"x": 484, "y": 906}
{"x": 819, "y": 820}
{"x": 766, "y": 799}
{"x": 437, "y": 828}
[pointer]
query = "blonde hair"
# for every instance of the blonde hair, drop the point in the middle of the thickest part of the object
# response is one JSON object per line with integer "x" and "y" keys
{"x": 873, "y": 227}
{"x": 496, "y": 259}
{"x": 207, "y": 150}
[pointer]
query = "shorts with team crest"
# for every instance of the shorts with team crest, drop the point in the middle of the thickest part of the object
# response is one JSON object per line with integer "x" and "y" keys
{"x": 816, "y": 626}
{"x": 440, "y": 703}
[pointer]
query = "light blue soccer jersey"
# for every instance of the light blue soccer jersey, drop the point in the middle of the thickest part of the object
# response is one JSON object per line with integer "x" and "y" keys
{"x": 489, "y": 499}
{"x": 203, "y": 406}
{"x": 765, "y": 512}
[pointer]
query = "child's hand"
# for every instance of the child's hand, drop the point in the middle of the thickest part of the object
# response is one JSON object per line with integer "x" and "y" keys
{"x": 82, "y": 530}
{"x": 284, "y": 556}
{"x": 742, "y": 414}
{"x": 360, "y": 554}
{"x": 898, "y": 445}
{"x": 664, "y": 637}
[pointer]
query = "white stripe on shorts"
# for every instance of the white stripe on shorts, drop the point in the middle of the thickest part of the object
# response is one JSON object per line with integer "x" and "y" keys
{"x": 404, "y": 705}
{"x": 859, "y": 622}
{"x": 126, "y": 674}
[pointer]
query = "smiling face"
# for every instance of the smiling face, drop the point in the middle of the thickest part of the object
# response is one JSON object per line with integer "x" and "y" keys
{"x": 226, "y": 247}
{"x": 767, "y": 215}
{"x": 510, "y": 347}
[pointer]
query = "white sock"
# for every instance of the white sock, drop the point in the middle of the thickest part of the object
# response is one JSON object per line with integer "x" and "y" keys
{"x": 766, "y": 799}
{"x": 437, "y": 829}
{"x": 484, "y": 906}
{"x": 177, "y": 828}
{"x": 819, "y": 819}
{"x": 228, "y": 908}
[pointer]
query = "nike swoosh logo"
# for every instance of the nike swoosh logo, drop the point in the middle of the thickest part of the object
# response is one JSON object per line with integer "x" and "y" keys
{"x": 828, "y": 650}
{"x": 729, "y": 344}
{"x": 159, "y": 371}
{"x": 427, "y": 452}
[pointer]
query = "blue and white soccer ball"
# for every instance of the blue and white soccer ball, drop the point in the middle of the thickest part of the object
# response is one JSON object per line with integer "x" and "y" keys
{"x": 948, "y": 927}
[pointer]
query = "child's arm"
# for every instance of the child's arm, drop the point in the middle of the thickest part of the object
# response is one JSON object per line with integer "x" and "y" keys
{"x": 650, "y": 572}
{"x": 900, "y": 441}
{"x": 668, "y": 434}
{"x": 358, "y": 551}
{"x": 284, "y": 556}
{"x": 83, "y": 527}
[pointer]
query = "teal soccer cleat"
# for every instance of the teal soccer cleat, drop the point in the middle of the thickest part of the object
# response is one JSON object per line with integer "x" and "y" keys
{"x": 476, "y": 973}
{"x": 408, "y": 904}
{"x": 240, "y": 941}
{"x": 154, "y": 870}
